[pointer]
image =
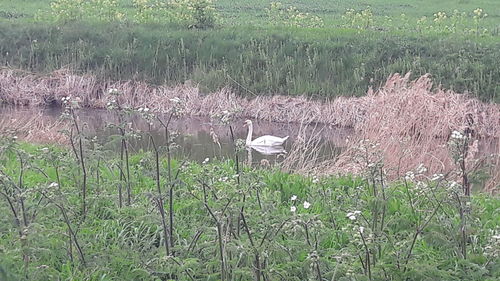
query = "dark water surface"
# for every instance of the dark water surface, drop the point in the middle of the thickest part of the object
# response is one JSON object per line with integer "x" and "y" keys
{"x": 194, "y": 136}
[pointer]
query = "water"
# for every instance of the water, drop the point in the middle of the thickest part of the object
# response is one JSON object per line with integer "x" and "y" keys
{"x": 197, "y": 138}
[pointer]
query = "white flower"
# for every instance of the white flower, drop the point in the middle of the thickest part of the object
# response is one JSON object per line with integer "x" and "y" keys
{"x": 293, "y": 209}
{"x": 409, "y": 176}
{"x": 436, "y": 177}
{"x": 421, "y": 169}
{"x": 54, "y": 184}
{"x": 307, "y": 205}
{"x": 457, "y": 135}
{"x": 146, "y": 109}
{"x": 453, "y": 184}
{"x": 294, "y": 197}
{"x": 361, "y": 229}
{"x": 205, "y": 161}
{"x": 113, "y": 91}
{"x": 352, "y": 215}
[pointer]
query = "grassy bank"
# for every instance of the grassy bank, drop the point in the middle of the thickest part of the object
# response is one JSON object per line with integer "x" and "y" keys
{"x": 256, "y": 225}
{"x": 321, "y": 63}
{"x": 257, "y": 50}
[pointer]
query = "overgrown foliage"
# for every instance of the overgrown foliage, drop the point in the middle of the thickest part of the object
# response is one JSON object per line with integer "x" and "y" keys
{"x": 226, "y": 221}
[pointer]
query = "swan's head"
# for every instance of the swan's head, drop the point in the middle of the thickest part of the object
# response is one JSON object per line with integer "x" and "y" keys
{"x": 248, "y": 123}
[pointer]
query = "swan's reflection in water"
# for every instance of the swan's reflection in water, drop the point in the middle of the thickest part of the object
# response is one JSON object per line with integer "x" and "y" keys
{"x": 264, "y": 150}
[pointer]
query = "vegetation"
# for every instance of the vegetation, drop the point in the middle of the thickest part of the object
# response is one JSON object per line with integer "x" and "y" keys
{"x": 91, "y": 212}
{"x": 318, "y": 49}
{"x": 255, "y": 225}
{"x": 96, "y": 210}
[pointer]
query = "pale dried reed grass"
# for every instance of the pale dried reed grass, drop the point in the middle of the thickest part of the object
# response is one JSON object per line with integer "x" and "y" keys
{"x": 412, "y": 124}
{"x": 23, "y": 88}
{"x": 305, "y": 154}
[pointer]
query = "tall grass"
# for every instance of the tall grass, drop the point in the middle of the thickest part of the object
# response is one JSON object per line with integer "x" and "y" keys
{"x": 292, "y": 61}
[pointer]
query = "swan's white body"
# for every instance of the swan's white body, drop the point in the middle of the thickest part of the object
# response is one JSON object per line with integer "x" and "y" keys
{"x": 264, "y": 140}
{"x": 268, "y": 150}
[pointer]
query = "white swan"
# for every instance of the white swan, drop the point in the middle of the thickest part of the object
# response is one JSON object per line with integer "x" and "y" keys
{"x": 264, "y": 140}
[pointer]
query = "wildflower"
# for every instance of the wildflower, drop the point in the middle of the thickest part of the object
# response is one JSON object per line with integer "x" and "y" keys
{"x": 45, "y": 149}
{"x": 421, "y": 169}
{"x": 352, "y": 215}
{"x": 453, "y": 185}
{"x": 457, "y": 135}
{"x": 53, "y": 185}
{"x": 307, "y": 205}
{"x": 205, "y": 161}
{"x": 315, "y": 180}
{"x": 293, "y": 209}
{"x": 113, "y": 91}
{"x": 436, "y": 177}
{"x": 361, "y": 229}
{"x": 294, "y": 197}
{"x": 409, "y": 176}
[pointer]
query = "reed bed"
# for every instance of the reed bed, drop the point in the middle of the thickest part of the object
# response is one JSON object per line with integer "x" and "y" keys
{"x": 27, "y": 89}
{"x": 410, "y": 125}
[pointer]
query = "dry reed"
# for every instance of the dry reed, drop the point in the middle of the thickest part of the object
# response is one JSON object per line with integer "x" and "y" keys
{"x": 412, "y": 124}
{"x": 27, "y": 89}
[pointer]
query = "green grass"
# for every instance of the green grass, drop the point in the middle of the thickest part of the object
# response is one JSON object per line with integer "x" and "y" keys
{"x": 128, "y": 243}
{"x": 253, "y": 56}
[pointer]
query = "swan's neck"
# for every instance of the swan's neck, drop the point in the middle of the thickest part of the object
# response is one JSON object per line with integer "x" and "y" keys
{"x": 249, "y": 136}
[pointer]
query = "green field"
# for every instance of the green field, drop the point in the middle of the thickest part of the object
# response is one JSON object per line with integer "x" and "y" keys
{"x": 257, "y": 52}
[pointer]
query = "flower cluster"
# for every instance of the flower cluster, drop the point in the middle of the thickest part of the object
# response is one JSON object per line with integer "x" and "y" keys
{"x": 70, "y": 10}
{"x": 291, "y": 16}
{"x": 358, "y": 20}
{"x": 353, "y": 215}
{"x": 293, "y": 208}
